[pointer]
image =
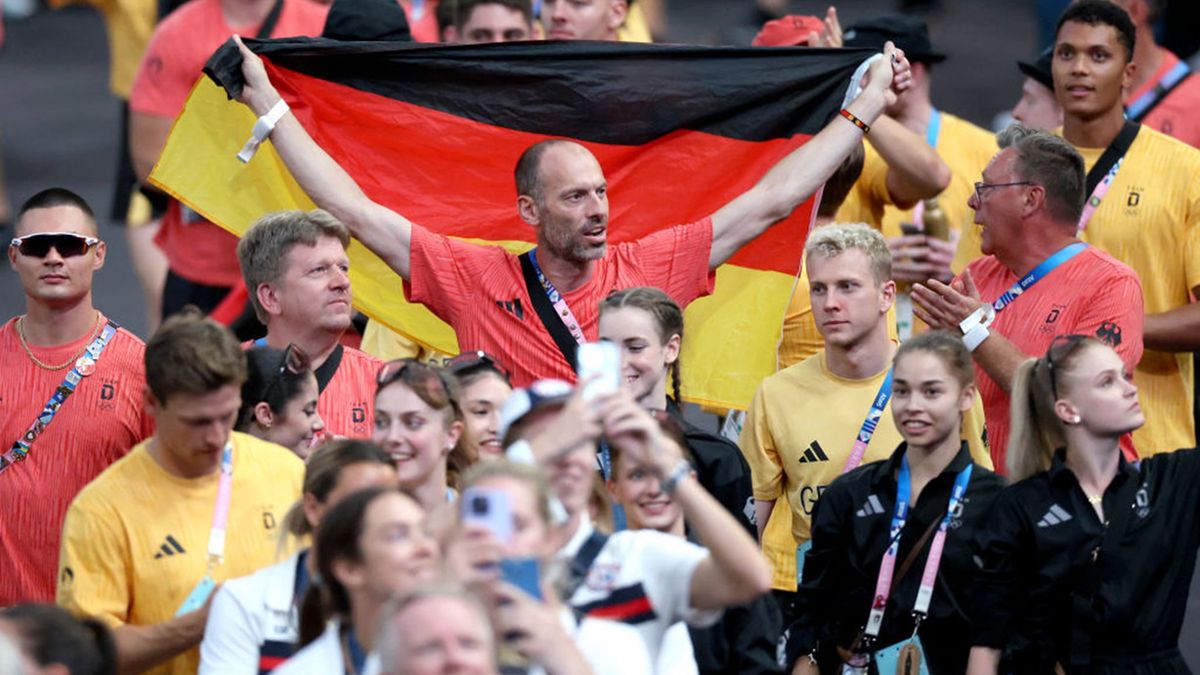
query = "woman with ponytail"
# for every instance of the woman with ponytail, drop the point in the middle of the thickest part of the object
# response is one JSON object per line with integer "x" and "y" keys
{"x": 53, "y": 641}
{"x": 648, "y": 326}
{"x": 372, "y": 546}
{"x": 253, "y": 625}
{"x": 1087, "y": 559}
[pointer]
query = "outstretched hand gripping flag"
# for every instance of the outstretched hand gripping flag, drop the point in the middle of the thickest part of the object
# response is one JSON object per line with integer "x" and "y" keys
{"x": 435, "y": 132}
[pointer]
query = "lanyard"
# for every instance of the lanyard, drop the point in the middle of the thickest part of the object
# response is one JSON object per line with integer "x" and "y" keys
{"x": 560, "y": 303}
{"x": 1098, "y": 195}
{"x": 883, "y": 586}
{"x": 869, "y": 424}
{"x": 934, "y": 129}
{"x": 1146, "y": 102}
{"x": 418, "y": 10}
{"x": 1044, "y": 268}
{"x": 85, "y": 365}
{"x": 220, "y": 521}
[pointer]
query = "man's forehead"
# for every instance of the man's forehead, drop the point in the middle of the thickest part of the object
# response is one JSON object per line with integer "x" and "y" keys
{"x": 1000, "y": 164}
{"x": 63, "y": 218}
{"x": 570, "y": 163}
{"x": 325, "y": 247}
{"x": 1082, "y": 34}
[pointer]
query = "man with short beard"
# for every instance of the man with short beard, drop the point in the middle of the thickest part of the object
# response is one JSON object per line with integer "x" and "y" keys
{"x": 490, "y": 297}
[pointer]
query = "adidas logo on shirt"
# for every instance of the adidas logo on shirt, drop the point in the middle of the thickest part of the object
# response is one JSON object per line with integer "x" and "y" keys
{"x": 1055, "y": 516}
{"x": 814, "y": 453}
{"x": 872, "y": 507}
{"x": 169, "y": 548}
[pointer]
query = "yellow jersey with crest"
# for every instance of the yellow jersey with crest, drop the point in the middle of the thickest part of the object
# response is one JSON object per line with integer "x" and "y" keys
{"x": 1150, "y": 220}
{"x": 799, "y": 432}
{"x": 135, "y": 540}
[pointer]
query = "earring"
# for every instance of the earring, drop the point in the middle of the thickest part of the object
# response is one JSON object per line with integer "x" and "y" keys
{"x": 1075, "y": 419}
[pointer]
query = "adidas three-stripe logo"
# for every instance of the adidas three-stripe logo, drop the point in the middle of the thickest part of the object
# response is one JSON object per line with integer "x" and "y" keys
{"x": 1055, "y": 516}
{"x": 814, "y": 453}
{"x": 169, "y": 548}
{"x": 872, "y": 507}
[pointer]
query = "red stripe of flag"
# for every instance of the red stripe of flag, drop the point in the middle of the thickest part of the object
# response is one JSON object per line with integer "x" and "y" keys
{"x": 455, "y": 175}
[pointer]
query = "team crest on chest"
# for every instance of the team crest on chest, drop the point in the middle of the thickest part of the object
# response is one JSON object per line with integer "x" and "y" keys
{"x": 602, "y": 577}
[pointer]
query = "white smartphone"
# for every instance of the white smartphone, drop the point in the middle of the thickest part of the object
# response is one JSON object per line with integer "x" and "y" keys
{"x": 489, "y": 508}
{"x": 602, "y": 359}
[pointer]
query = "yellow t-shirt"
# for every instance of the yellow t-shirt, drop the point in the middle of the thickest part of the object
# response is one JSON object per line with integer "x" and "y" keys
{"x": 799, "y": 432}
{"x": 135, "y": 540}
{"x": 1150, "y": 220}
{"x": 130, "y": 25}
{"x": 966, "y": 149}
{"x": 864, "y": 204}
{"x": 635, "y": 28}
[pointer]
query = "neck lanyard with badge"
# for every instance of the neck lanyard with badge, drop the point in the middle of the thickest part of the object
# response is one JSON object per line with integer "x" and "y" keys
{"x": 216, "y": 536}
{"x": 905, "y": 656}
{"x": 1104, "y": 171}
{"x": 975, "y": 326}
{"x": 563, "y": 317}
{"x": 85, "y": 365}
{"x": 865, "y": 433}
{"x": 903, "y": 305}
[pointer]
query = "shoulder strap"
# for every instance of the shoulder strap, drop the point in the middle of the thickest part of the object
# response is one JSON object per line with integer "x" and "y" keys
{"x": 582, "y": 562}
{"x": 911, "y": 558}
{"x": 1083, "y": 615}
{"x": 541, "y": 304}
{"x": 328, "y": 369}
{"x": 268, "y": 24}
{"x": 1161, "y": 96}
{"x": 1114, "y": 152}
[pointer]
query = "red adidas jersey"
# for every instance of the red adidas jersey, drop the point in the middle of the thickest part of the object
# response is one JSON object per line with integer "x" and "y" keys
{"x": 1091, "y": 294}
{"x": 347, "y": 403}
{"x": 481, "y": 292}
{"x": 96, "y": 426}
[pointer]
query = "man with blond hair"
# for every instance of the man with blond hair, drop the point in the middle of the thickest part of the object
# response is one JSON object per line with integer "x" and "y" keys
{"x": 297, "y": 272}
{"x": 803, "y": 423}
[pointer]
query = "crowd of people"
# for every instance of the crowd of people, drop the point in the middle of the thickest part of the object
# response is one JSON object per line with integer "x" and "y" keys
{"x": 999, "y": 325}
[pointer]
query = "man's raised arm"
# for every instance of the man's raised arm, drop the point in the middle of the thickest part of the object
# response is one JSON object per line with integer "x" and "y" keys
{"x": 385, "y": 232}
{"x": 797, "y": 176}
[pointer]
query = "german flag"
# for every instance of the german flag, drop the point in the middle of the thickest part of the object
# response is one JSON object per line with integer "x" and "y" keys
{"x": 434, "y": 132}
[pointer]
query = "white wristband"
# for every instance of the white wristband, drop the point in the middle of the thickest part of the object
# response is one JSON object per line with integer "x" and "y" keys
{"x": 975, "y": 336}
{"x": 262, "y": 129}
{"x": 983, "y": 315}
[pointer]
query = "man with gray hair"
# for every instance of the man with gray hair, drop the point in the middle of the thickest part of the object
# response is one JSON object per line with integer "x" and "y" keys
{"x": 297, "y": 273}
{"x": 802, "y": 424}
{"x": 436, "y": 629}
{"x": 1029, "y": 204}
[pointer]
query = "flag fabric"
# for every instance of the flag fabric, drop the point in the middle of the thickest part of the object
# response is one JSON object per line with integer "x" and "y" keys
{"x": 434, "y": 132}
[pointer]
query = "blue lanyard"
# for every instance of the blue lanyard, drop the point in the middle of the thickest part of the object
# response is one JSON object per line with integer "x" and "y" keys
{"x": 1146, "y": 101}
{"x": 261, "y": 342}
{"x": 1046, "y": 267}
{"x": 551, "y": 291}
{"x": 883, "y": 586}
{"x": 358, "y": 657}
{"x": 934, "y": 129}
{"x": 418, "y": 10}
{"x": 869, "y": 425}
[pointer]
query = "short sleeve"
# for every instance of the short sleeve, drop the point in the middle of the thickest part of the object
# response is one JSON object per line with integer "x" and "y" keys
{"x": 758, "y": 446}
{"x": 231, "y": 644}
{"x": 439, "y": 273}
{"x": 1115, "y": 315}
{"x": 1191, "y": 242}
{"x": 164, "y": 78}
{"x": 675, "y": 259}
{"x": 93, "y": 566}
{"x": 872, "y": 183}
{"x": 669, "y": 563}
{"x": 974, "y": 430}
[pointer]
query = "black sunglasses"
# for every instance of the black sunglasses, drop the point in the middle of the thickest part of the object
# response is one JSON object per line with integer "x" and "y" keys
{"x": 1060, "y": 348}
{"x": 472, "y": 360}
{"x": 295, "y": 361}
{"x": 68, "y": 244}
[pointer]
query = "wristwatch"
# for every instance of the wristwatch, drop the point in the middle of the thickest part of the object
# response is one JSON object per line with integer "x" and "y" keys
{"x": 975, "y": 327}
{"x": 682, "y": 470}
